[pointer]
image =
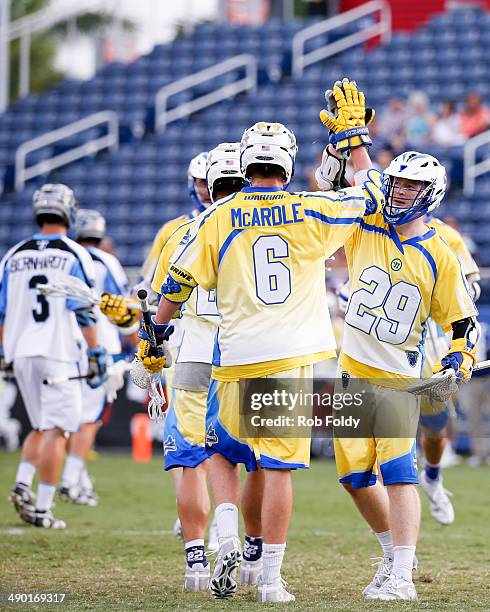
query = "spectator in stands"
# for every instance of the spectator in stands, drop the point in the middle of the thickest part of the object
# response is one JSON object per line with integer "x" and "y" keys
{"x": 383, "y": 159}
{"x": 391, "y": 125}
{"x": 475, "y": 117}
{"x": 446, "y": 131}
{"x": 420, "y": 121}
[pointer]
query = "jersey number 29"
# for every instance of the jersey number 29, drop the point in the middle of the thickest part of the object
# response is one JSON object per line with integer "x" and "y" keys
{"x": 399, "y": 303}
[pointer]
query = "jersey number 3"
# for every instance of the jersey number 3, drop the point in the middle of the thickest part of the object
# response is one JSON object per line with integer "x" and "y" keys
{"x": 41, "y": 311}
{"x": 399, "y": 302}
{"x": 272, "y": 276}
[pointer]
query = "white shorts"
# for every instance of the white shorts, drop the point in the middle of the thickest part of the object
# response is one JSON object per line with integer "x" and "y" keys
{"x": 93, "y": 403}
{"x": 49, "y": 406}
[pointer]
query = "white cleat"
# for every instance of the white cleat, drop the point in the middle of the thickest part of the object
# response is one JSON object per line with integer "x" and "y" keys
{"x": 274, "y": 592}
{"x": 250, "y": 571}
{"x": 441, "y": 507}
{"x": 213, "y": 543}
{"x": 44, "y": 519}
{"x": 197, "y": 577}
{"x": 396, "y": 587}
{"x": 385, "y": 565}
{"x": 223, "y": 584}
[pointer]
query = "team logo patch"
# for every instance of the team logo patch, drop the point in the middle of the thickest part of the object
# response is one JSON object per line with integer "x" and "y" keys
{"x": 412, "y": 358}
{"x": 211, "y": 436}
{"x": 396, "y": 264}
{"x": 169, "y": 445}
{"x": 42, "y": 244}
{"x": 185, "y": 238}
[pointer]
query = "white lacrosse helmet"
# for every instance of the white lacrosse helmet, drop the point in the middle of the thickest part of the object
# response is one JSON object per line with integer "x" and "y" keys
{"x": 55, "y": 199}
{"x": 224, "y": 165}
{"x": 416, "y": 167}
{"x": 197, "y": 170}
{"x": 89, "y": 224}
{"x": 269, "y": 143}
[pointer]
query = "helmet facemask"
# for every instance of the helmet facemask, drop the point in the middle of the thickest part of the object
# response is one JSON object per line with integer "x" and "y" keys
{"x": 418, "y": 199}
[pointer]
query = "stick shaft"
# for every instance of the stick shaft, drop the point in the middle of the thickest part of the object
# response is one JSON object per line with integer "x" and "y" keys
{"x": 145, "y": 309}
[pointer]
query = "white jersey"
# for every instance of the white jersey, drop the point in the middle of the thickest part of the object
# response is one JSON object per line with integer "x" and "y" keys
{"x": 110, "y": 277}
{"x": 199, "y": 324}
{"x": 36, "y": 325}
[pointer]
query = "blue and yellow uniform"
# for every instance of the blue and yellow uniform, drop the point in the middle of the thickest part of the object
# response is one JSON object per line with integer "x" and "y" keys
{"x": 397, "y": 283}
{"x": 264, "y": 250}
{"x": 185, "y": 424}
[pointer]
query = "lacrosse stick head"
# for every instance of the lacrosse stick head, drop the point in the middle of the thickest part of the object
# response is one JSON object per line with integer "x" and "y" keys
{"x": 69, "y": 287}
{"x": 151, "y": 383}
{"x": 438, "y": 388}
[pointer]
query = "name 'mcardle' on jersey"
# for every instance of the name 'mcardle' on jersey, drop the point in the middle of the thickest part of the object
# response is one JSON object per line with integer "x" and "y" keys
{"x": 36, "y": 325}
{"x": 270, "y": 247}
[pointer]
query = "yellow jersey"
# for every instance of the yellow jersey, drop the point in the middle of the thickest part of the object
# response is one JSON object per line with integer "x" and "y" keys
{"x": 149, "y": 266}
{"x": 200, "y": 316}
{"x": 264, "y": 250}
{"x": 396, "y": 284}
{"x": 457, "y": 244}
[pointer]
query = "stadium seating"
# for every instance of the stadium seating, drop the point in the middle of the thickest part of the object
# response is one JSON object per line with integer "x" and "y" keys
{"x": 144, "y": 182}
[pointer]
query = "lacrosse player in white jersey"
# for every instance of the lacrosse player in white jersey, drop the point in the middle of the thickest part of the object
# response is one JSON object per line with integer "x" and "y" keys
{"x": 185, "y": 425}
{"x": 110, "y": 278}
{"x": 264, "y": 250}
{"x": 38, "y": 336}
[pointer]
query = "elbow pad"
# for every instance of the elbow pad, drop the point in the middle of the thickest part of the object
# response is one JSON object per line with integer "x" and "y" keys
{"x": 85, "y": 317}
{"x": 178, "y": 285}
{"x": 331, "y": 172}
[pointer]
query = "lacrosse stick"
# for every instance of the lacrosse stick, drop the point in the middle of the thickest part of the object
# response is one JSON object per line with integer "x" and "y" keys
{"x": 73, "y": 288}
{"x": 141, "y": 378}
{"x": 442, "y": 385}
{"x": 114, "y": 382}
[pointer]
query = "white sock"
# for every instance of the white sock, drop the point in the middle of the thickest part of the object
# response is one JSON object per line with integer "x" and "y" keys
{"x": 227, "y": 521}
{"x": 45, "y": 496}
{"x": 71, "y": 473}
{"x": 85, "y": 482}
{"x": 386, "y": 540}
{"x": 403, "y": 561}
{"x": 25, "y": 473}
{"x": 272, "y": 556}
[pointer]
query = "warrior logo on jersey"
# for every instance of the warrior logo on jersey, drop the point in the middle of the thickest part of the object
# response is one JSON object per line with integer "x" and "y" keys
{"x": 185, "y": 238}
{"x": 211, "y": 436}
{"x": 412, "y": 357}
{"x": 169, "y": 445}
{"x": 396, "y": 264}
{"x": 42, "y": 244}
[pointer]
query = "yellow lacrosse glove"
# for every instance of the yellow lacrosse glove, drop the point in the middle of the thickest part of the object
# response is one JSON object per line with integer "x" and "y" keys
{"x": 114, "y": 307}
{"x": 373, "y": 192}
{"x": 151, "y": 358}
{"x": 347, "y": 117}
{"x": 461, "y": 357}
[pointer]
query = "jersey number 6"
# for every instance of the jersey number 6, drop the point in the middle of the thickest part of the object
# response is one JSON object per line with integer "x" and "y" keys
{"x": 272, "y": 276}
{"x": 399, "y": 303}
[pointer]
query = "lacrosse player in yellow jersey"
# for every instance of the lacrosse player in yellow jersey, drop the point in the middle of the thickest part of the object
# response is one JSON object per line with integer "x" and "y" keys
{"x": 114, "y": 306}
{"x": 264, "y": 250}
{"x": 400, "y": 273}
{"x": 435, "y": 416}
{"x": 185, "y": 424}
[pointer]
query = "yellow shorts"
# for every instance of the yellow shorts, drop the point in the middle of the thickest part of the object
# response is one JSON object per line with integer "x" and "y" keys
{"x": 223, "y": 430}
{"x": 357, "y": 458}
{"x": 185, "y": 429}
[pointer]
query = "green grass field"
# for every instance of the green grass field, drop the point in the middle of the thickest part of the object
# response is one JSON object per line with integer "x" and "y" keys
{"x": 122, "y": 554}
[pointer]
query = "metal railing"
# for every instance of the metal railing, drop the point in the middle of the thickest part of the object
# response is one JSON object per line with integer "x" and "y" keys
{"x": 472, "y": 168}
{"x": 109, "y": 141}
{"x": 25, "y": 27}
{"x": 302, "y": 59}
{"x": 164, "y": 115}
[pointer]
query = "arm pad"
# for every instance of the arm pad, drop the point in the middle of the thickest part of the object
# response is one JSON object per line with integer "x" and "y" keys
{"x": 331, "y": 172}
{"x": 179, "y": 285}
